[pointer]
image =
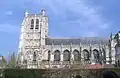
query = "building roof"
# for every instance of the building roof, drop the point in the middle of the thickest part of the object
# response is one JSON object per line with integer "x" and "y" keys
{"x": 77, "y": 41}
{"x": 32, "y": 15}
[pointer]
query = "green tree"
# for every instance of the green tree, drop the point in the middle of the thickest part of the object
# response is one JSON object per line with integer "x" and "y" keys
{"x": 3, "y": 62}
{"x": 12, "y": 61}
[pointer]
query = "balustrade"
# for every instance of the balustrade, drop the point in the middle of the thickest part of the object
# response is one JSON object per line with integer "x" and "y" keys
{"x": 46, "y": 62}
{"x": 61, "y": 62}
{"x": 77, "y": 62}
{"x": 55, "y": 62}
{"x": 66, "y": 62}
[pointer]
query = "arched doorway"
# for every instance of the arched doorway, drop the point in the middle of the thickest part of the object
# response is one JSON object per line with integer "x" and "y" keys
{"x": 110, "y": 74}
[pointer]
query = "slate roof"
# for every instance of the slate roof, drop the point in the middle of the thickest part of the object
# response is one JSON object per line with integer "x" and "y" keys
{"x": 77, "y": 41}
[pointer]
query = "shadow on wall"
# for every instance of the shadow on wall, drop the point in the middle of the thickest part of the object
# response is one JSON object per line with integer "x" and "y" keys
{"x": 110, "y": 74}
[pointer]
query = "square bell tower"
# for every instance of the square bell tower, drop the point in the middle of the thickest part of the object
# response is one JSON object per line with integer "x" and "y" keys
{"x": 34, "y": 30}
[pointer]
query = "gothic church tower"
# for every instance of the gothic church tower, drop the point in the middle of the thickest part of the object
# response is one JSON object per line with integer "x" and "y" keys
{"x": 34, "y": 30}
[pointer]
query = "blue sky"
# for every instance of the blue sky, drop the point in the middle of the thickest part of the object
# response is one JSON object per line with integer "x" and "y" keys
{"x": 67, "y": 18}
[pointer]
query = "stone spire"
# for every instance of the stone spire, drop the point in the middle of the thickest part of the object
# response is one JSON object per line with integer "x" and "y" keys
{"x": 111, "y": 36}
{"x": 26, "y": 13}
{"x": 43, "y": 12}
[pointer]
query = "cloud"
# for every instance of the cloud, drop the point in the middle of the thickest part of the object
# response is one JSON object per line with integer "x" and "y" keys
{"x": 8, "y": 13}
{"x": 86, "y": 15}
{"x": 7, "y": 28}
{"x": 91, "y": 34}
{"x": 72, "y": 14}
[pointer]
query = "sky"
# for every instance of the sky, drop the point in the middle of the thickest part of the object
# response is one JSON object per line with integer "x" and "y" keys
{"x": 67, "y": 18}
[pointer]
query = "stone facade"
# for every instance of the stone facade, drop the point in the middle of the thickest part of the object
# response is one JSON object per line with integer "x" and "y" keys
{"x": 38, "y": 50}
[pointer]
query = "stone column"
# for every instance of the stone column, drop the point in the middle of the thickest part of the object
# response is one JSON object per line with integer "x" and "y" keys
{"x": 72, "y": 55}
{"x": 113, "y": 52}
{"x": 61, "y": 53}
{"x": 80, "y": 52}
{"x": 52, "y": 54}
{"x": 107, "y": 54}
{"x": 113, "y": 55}
{"x": 82, "y": 55}
{"x": 92, "y": 57}
{"x": 90, "y": 52}
{"x": 61, "y": 56}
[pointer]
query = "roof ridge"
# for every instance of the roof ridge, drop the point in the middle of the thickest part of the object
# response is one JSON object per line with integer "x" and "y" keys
{"x": 78, "y": 38}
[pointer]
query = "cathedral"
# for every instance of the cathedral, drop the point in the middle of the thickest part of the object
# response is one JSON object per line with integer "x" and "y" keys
{"x": 38, "y": 50}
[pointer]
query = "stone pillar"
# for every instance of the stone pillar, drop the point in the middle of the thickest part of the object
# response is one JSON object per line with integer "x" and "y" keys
{"x": 52, "y": 54}
{"x": 61, "y": 53}
{"x": 90, "y": 50}
{"x": 92, "y": 57}
{"x": 61, "y": 56}
{"x": 61, "y": 60}
{"x": 107, "y": 54}
{"x": 113, "y": 52}
{"x": 82, "y": 55}
{"x": 72, "y": 55}
{"x": 113, "y": 55}
{"x": 80, "y": 51}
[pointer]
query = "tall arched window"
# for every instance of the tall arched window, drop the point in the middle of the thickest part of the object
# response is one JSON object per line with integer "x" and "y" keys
{"x": 76, "y": 55}
{"x": 48, "y": 55}
{"x": 66, "y": 55}
{"x": 86, "y": 55}
{"x": 32, "y": 24}
{"x": 57, "y": 55}
{"x": 34, "y": 56}
{"x": 37, "y": 24}
{"x": 96, "y": 56}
